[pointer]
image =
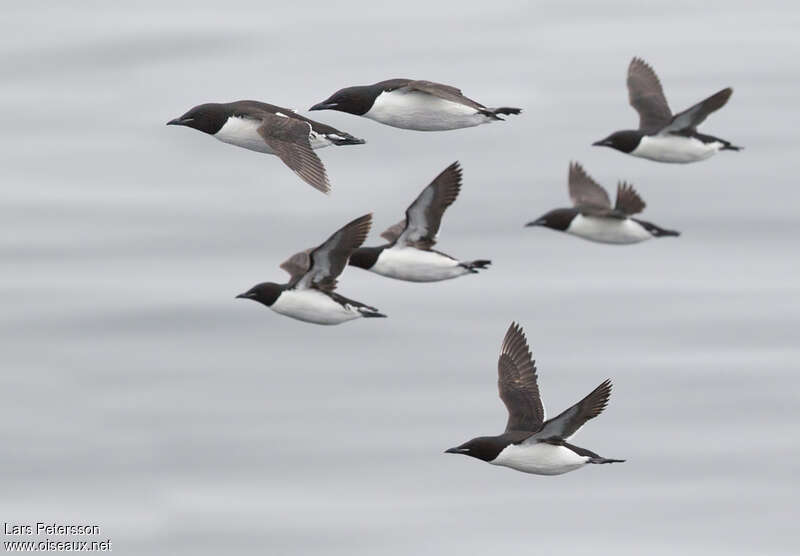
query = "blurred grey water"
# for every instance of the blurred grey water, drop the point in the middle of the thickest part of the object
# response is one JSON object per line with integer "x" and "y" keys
{"x": 137, "y": 394}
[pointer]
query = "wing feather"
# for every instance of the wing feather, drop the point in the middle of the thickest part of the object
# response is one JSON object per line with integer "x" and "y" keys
{"x": 517, "y": 383}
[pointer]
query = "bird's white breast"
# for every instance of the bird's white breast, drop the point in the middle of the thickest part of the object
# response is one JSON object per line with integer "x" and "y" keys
{"x": 313, "y": 306}
{"x": 416, "y": 265}
{"x": 539, "y": 458}
{"x": 243, "y": 132}
{"x": 608, "y": 230}
{"x": 675, "y": 148}
{"x": 422, "y": 112}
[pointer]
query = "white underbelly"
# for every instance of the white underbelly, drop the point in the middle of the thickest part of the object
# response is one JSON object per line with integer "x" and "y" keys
{"x": 608, "y": 230}
{"x": 313, "y": 306}
{"x": 675, "y": 148}
{"x": 243, "y": 132}
{"x": 415, "y": 265}
{"x": 423, "y": 112}
{"x": 540, "y": 458}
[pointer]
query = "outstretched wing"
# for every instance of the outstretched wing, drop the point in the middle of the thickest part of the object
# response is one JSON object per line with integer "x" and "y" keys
{"x": 517, "y": 383}
{"x": 289, "y": 139}
{"x": 297, "y": 265}
{"x": 391, "y": 233}
{"x": 692, "y": 117}
{"x": 424, "y": 215}
{"x": 584, "y": 191}
{"x": 628, "y": 200}
{"x": 445, "y": 92}
{"x": 567, "y": 423}
{"x": 329, "y": 259}
{"x": 647, "y": 97}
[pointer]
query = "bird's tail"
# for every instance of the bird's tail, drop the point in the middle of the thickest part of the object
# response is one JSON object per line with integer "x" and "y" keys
{"x": 729, "y": 147}
{"x": 342, "y": 138}
{"x": 370, "y": 313}
{"x": 504, "y": 111}
{"x": 598, "y": 459}
{"x": 475, "y": 266}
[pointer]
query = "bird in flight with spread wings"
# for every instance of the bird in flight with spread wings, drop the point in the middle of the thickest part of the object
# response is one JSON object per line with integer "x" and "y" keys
{"x": 310, "y": 294}
{"x": 410, "y": 255}
{"x": 662, "y": 136}
{"x": 270, "y": 129}
{"x": 592, "y": 217}
{"x": 530, "y": 443}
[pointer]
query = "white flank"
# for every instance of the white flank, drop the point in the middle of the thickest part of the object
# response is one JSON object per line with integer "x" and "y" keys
{"x": 243, "y": 132}
{"x": 540, "y": 458}
{"x": 415, "y": 265}
{"x": 675, "y": 148}
{"x": 423, "y": 112}
{"x": 608, "y": 230}
{"x": 313, "y": 306}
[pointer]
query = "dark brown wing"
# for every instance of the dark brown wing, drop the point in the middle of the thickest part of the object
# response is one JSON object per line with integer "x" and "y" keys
{"x": 329, "y": 259}
{"x": 517, "y": 383}
{"x": 647, "y": 97}
{"x": 567, "y": 423}
{"x": 692, "y": 117}
{"x": 424, "y": 215}
{"x": 628, "y": 200}
{"x": 297, "y": 265}
{"x": 584, "y": 191}
{"x": 445, "y": 92}
{"x": 289, "y": 138}
{"x": 393, "y": 232}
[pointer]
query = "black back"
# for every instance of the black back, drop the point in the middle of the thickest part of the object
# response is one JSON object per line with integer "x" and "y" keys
{"x": 625, "y": 141}
{"x": 365, "y": 257}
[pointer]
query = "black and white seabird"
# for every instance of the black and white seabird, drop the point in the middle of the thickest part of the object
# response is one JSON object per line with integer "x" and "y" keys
{"x": 409, "y": 255}
{"x": 270, "y": 129}
{"x": 661, "y": 136}
{"x": 592, "y": 217}
{"x": 413, "y": 104}
{"x": 531, "y": 444}
{"x": 309, "y": 295}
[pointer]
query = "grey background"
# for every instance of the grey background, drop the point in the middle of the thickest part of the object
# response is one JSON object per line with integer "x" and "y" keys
{"x": 137, "y": 394}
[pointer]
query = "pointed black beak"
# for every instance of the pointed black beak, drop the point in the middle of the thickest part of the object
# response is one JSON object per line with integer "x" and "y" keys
{"x": 179, "y": 121}
{"x": 452, "y": 451}
{"x": 245, "y": 295}
{"x": 323, "y": 106}
{"x": 537, "y": 222}
{"x": 600, "y": 143}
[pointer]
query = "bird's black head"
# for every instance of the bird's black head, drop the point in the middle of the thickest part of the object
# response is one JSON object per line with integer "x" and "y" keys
{"x": 353, "y": 100}
{"x": 208, "y": 118}
{"x": 484, "y": 447}
{"x": 365, "y": 257}
{"x": 266, "y": 293}
{"x": 624, "y": 141}
{"x": 557, "y": 219}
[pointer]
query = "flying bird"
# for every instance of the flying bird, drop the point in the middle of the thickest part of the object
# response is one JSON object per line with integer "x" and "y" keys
{"x": 592, "y": 217}
{"x": 531, "y": 444}
{"x": 413, "y": 104}
{"x": 270, "y": 129}
{"x": 410, "y": 255}
{"x": 662, "y": 136}
{"x": 310, "y": 294}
